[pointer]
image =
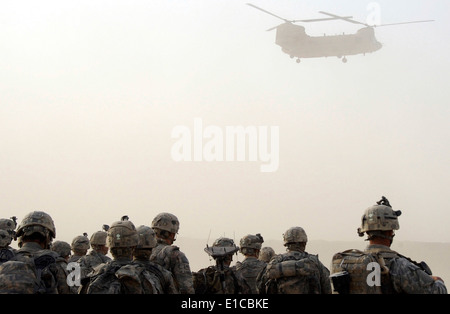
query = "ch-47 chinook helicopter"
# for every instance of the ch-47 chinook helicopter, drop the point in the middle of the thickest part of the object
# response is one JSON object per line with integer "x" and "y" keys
{"x": 294, "y": 41}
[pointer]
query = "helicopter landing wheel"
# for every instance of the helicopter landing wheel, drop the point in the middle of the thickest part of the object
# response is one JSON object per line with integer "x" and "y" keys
{"x": 344, "y": 60}
{"x": 291, "y": 56}
{"x": 298, "y": 60}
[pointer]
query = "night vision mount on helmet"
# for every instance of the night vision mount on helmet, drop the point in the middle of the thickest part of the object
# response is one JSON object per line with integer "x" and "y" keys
{"x": 379, "y": 217}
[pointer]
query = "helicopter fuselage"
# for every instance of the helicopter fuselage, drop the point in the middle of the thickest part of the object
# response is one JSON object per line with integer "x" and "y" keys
{"x": 294, "y": 41}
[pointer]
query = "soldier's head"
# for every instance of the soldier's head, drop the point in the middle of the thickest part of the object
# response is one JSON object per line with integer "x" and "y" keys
{"x": 266, "y": 254}
{"x": 7, "y": 231}
{"x": 295, "y": 239}
{"x": 379, "y": 221}
{"x": 98, "y": 241}
{"x": 122, "y": 239}
{"x": 36, "y": 226}
{"x": 80, "y": 244}
{"x": 224, "y": 248}
{"x": 250, "y": 244}
{"x": 166, "y": 226}
{"x": 146, "y": 243}
{"x": 62, "y": 248}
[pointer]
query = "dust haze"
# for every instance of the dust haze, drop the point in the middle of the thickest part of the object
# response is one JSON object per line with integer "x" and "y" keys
{"x": 92, "y": 91}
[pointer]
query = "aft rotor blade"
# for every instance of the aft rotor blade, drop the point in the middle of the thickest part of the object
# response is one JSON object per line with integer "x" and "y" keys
{"x": 403, "y": 23}
{"x": 252, "y": 5}
{"x": 343, "y": 18}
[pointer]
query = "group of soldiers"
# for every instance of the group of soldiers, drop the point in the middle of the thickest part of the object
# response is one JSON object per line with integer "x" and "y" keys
{"x": 145, "y": 261}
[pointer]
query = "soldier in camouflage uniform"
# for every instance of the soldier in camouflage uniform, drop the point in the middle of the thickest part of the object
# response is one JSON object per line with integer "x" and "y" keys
{"x": 296, "y": 271}
{"x": 64, "y": 250}
{"x": 250, "y": 267}
{"x": 80, "y": 245}
{"x": 35, "y": 265}
{"x": 97, "y": 255}
{"x": 266, "y": 253}
{"x": 169, "y": 256}
{"x": 391, "y": 272}
{"x": 7, "y": 235}
{"x": 220, "y": 278}
{"x": 108, "y": 278}
{"x": 154, "y": 278}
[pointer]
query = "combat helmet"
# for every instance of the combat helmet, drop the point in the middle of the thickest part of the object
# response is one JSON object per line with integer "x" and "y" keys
{"x": 122, "y": 234}
{"x": 266, "y": 254}
{"x": 99, "y": 237}
{"x": 250, "y": 241}
{"x": 147, "y": 237}
{"x": 61, "y": 247}
{"x": 379, "y": 217}
{"x": 294, "y": 235}
{"x": 166, "y": 221}
{"x": 81, "y": 243}
{"x": 7, "y": 231}
{"x": 37, "y": 221}
{"x": 222, "y": 247}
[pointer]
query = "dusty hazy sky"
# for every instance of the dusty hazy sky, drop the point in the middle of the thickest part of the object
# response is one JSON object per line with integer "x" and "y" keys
{"x": 90, "y": 92}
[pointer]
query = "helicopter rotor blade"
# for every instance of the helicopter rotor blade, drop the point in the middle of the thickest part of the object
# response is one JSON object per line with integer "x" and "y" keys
{"x": 323, "y": 19}
{"x": 403, "y": 23}
{"x": 343, "y": 18}
{"x": 254, "y": 6}
{"x": 272, "y": 28}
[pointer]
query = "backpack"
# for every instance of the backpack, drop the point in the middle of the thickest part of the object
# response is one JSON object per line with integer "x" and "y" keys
{"x": 352, "y": 272}
{"x": 211, "y": 281}
{"x": 294, "y": 276}
{"x": 105, "y": 281}
{"x": 28, "y": 275}
{"x": 5, "y": 255}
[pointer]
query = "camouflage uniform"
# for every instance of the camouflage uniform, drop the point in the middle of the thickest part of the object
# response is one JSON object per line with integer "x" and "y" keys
{"x": 169, "y": 256}
{"x": 397, "y": 274}
{"x": 90, "y": 260}
{"x": 80, "y": 245}
{"x": 220, "y": 278}
{"x": 96, "y": 256}
{"x": 294, "y": 272}
{"x": 154, "y": 278}
{"x": 56, "y": 275}
{"x": 63, "y": 250}
{"x": 51, "y": 279}
{"x": 7, "y": 235}
{"x": 111, "y": 277}
{"x": 251, "y": 266}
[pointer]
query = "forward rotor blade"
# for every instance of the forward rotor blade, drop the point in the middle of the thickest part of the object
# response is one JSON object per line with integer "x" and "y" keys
{"x": 272, "y": 28}
{"x": 252, "y": 5}
{"x": 320, "y": 20}
{"x": 343, "y": 18}
{"x": 403, "y": 23}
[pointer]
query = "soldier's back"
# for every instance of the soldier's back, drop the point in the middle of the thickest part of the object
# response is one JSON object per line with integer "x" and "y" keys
{"x": 171, "y": 258}
{"x": 294, "y": 273}
{"x": 249, "y": 269}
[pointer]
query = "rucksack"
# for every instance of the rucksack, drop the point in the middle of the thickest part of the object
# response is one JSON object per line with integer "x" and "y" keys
{"x": 352, "y": 272}
{"x": 27, "y": 275}
{"x": 105, "y": 281}
{"x": 294, "y": 276}
{"x": 5, "y": 255}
